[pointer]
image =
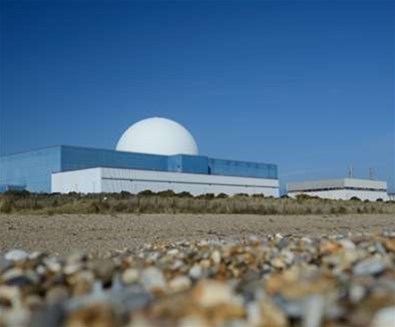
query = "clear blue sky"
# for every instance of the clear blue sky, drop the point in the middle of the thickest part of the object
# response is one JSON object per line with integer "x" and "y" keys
{"x": 308, "y": 85}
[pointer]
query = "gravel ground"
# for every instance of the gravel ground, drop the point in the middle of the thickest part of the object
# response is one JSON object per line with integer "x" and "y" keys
{"x": 98, "y": 234}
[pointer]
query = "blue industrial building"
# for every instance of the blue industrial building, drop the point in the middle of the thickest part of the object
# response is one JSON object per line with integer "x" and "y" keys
{"x": 32, "y": 170}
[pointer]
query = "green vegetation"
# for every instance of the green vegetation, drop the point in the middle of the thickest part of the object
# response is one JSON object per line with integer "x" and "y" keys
{"x": 170, "y": 202}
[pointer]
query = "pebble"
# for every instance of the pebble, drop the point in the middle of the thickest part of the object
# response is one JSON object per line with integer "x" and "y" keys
{"x": 153, "y": 280}
{"x": 196, "y": 271}
{"x": 216, "y": 257}
{"x": 16, "y": 255}
{"x": 369, "y": 266}
{"x": 180, "y": 283}
{"x": 384, "y": 317}
{"x": 211, "y": 293}
{"x": 57, "y": 294}
{"x": 130, "y": 276}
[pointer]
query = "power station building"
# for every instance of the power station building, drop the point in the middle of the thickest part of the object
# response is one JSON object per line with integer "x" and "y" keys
{"x": 154, "y": 154}
{"x": 341, "y": 189}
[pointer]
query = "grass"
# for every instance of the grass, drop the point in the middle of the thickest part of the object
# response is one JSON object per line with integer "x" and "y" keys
{"x": 169, "y": 202}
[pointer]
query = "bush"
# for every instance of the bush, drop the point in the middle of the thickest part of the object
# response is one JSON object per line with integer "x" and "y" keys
{"x": 241, "y": 195}
{"x": 222, "y": 196}
{"x": 6, "y": 205}
{"x": 17, "y": 194}
{"x": 303, "y": 197}
{"x": 167, "y": 193}
{"x": 184, "y": 195}
{"x": 125, "y": 195}
{"x": 258, "y": 195}
{"x": 168, "y": 202}
{"x": 206, "y": 196}
{"x": 355, "y": 198}
{"x": 146, "y": 193}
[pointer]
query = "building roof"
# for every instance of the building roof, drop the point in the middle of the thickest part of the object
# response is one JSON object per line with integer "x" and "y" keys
{"x": 349, "y": 183}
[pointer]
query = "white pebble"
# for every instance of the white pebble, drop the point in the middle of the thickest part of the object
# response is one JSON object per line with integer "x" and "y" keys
{"x": 384, "y": 317}
{"x": 16, "y": 255}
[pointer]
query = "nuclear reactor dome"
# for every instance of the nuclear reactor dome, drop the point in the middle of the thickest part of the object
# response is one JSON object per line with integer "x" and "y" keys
{"x": 157, "y": 136}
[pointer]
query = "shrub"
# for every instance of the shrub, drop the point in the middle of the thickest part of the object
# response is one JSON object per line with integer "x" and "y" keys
{"x": 207, "y": 196}
{"x": 258, "y": 195}
{"x": 17, "y": 194}
{"x": 303, "y": 197}
{"x": 241, "y": 195}
{"x": 184, "y": 195}
{"x": 222, "y": 196}
{"x": 355, "y": 198}
{"x": 6, "y": 205}
{"x": 146, "y": 193}
{"x": 167, "y": 193}
{"x": 125, "y": 195}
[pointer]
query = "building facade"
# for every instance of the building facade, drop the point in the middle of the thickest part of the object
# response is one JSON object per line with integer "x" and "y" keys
{"x": 41, "y": 170}
{"x": 341, "y": 189}
{"x": 109, "y": 180}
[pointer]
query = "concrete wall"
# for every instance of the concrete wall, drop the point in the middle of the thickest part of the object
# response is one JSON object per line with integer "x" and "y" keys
{"x": 134, "y": 181}
{"x": 346, "y": 194}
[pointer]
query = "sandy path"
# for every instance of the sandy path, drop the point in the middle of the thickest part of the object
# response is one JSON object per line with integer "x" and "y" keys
{"x": 100, "y": 233}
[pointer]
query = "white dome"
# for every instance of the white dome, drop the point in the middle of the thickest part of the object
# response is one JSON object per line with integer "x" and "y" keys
{"x": 157, "y": 136}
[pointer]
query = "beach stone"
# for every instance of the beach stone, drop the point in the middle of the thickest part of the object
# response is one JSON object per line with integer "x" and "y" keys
{"x": 16, "y": 255}
{"x": 33, "y": 302}
{"x": 384, "y": 317}
{"x": 314, "y": 311}
{"x": 196, "y": 271}
{"x": 52, "y": 264}
{"x": 180, "y": 283}
{"x": 278, "y": 263}
{"x": 370, "y": 266}
{"x": 10, "y": 295}
{"x": 17, "y": 317}
{"x": 96, "y": 315}
{"x": 211, "y": 293}
{"x": 20, "y": 278}
{"x": 216, "y": 257}
{"x": 130, "y": 276}
{"x": 56, "y": 295}
{"x": 357, "y": 293}
{"x": 153, "y": 280}
{"x": 103, "y": 269}
{"x": 272, "y": 315}
{"x": 193, "y": 321}
{"x": 72, "y": 268}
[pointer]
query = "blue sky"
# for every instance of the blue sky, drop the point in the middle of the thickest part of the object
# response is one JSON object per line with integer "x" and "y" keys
{"x": 308, "y": 85}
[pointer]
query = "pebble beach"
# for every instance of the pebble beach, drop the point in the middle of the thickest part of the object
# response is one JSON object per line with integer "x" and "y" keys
{"x": 274, "y": 280}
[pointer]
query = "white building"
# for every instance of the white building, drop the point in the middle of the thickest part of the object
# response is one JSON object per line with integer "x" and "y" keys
{"x": 108, "y": 180}
{"x": 341, "y": 189}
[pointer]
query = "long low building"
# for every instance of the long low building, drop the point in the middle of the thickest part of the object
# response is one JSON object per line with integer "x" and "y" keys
{"x": 155, "y": 154}
{"x": 69, "y": 169}
{"x": 341, "y": 189}
{"x": 108, "y": 180}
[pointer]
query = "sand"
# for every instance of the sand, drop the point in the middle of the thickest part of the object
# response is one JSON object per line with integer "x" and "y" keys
{"x": 98, "y": 234}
